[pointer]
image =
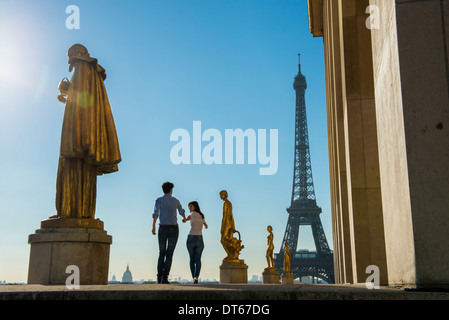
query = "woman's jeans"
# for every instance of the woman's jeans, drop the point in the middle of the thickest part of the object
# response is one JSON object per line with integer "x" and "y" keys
{"x": 195, "y": 246}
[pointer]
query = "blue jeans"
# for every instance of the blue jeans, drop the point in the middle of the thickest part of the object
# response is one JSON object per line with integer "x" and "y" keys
{"x": 168, "y": 237}
{"x": 195, "y": 246}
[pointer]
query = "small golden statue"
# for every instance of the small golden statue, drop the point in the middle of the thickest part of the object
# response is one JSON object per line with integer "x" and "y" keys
{"x": 231, "y": 245}
{"x": 286, "y": 258}
{"x": 89, "y": 143}
{"x": 287, "y": 276}
{"x": 270, "y": 249}
{"x": 270, "y": 275}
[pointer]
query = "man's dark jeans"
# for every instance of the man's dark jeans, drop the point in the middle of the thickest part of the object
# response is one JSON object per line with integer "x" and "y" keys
{"x": 168, "y": 237}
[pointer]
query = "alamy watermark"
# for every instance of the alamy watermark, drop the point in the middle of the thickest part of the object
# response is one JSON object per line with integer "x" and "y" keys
{"x": 373, "y": 281}
{"x": 373, "y": 21}
{"x": 189, "y": 147}
{"x": 73, "y": 281}
{"x": 73, "y": 20}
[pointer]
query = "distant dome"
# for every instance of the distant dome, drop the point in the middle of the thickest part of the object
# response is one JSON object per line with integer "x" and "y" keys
{"x": 127, "y": 276}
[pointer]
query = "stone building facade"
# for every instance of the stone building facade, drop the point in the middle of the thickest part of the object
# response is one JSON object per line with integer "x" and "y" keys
{"x": 387, "y": 87}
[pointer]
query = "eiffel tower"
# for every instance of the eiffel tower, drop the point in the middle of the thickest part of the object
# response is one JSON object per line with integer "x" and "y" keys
{"x": 303, "y": 210}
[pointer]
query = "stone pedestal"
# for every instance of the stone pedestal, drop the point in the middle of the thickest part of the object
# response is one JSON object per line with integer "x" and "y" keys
{"x": 72, "y": 223}
{"x": 287, "y": 278}
{"x": 270, "y": 276}
{"x": 233, "y": 271}
{"x": 54, "y": 249}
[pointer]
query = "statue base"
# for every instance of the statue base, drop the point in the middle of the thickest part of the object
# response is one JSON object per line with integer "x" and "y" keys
{"x": 270, "y": 276}
{"x": 287, "y": 278}
{"x": 72, "y": 223}
{"x": 54, "y": 249}
{"x": 233, "y": 271}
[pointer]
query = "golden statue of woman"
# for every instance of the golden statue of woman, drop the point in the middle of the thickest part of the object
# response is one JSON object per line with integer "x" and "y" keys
{"x": 270, "y": 249}
{"x": 286, "y": 258}
{"x": 89, "y": 143}
{"x": 227, "y": 221}
{"x": 231, "y": 245}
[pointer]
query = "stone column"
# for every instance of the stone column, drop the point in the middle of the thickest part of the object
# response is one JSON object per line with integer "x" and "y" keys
{"x": 410, "y": 51}
{"x": 353, "y": 150}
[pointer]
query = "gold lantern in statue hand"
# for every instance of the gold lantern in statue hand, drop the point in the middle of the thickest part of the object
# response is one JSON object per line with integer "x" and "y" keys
{"x": 63, "y": 87}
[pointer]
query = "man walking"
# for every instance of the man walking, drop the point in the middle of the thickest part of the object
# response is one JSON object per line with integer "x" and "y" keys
{"x": 168, "y": 232}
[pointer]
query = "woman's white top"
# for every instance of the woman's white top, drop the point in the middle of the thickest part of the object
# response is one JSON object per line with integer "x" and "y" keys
{"x": 196, "y": 224}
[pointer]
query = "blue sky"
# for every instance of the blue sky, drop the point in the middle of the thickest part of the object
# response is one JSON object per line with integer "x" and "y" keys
{"x": 227, "y": 63}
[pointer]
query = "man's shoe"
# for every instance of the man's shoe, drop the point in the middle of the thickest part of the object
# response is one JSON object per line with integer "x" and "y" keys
{"x": 165, "y": 281}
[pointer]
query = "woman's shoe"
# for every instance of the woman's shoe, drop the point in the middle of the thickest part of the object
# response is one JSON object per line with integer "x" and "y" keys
{"x": 195, "y": 281}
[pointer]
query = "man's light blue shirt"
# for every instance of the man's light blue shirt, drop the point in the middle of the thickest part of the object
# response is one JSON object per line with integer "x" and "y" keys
{"x": 165, "y": 208}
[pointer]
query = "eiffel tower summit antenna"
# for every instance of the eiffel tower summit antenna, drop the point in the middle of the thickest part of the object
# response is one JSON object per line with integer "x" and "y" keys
{"x": 303, "y": 210}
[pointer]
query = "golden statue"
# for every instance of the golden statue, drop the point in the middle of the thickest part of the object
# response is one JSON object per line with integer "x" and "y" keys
{"x": 270, "y": 249}
{"x": 231, "y": 245}
{"x": 286, "y": 258}
{"x": 89, "y": 143}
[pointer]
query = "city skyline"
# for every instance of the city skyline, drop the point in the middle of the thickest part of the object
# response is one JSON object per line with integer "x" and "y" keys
{"x": 229, "y": 64}
{"x": 254, "y": 278}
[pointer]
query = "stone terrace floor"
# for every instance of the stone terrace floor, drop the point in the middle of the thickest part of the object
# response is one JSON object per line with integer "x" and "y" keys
{"x": 217, "y": 292}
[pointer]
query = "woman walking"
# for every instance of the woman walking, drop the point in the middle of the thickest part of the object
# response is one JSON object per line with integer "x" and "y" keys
{"x": 195, "y": 244}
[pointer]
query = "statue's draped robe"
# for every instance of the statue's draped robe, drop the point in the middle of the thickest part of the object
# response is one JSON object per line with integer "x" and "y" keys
{"x": 287, "y": 260}
{"x": 227, "y": 222}
{"x": 89, "y": 143}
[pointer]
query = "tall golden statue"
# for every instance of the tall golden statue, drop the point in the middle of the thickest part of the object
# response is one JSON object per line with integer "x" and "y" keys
{"x": 89, "y": 143}
{"x": 286, "y": 258}
{"x": 89, "y": 147}
{"x": 270, "y": 249}
{"x": 231, "y": 245}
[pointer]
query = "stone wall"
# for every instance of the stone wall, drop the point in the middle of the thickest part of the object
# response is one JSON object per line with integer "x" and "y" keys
{"x": 423, "y": 40}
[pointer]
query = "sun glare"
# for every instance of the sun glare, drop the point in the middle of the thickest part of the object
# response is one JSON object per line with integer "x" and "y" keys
{"x": 21, "y": 78}
{"x": 11, "y": 68}
{"x": 18, "y": 43}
